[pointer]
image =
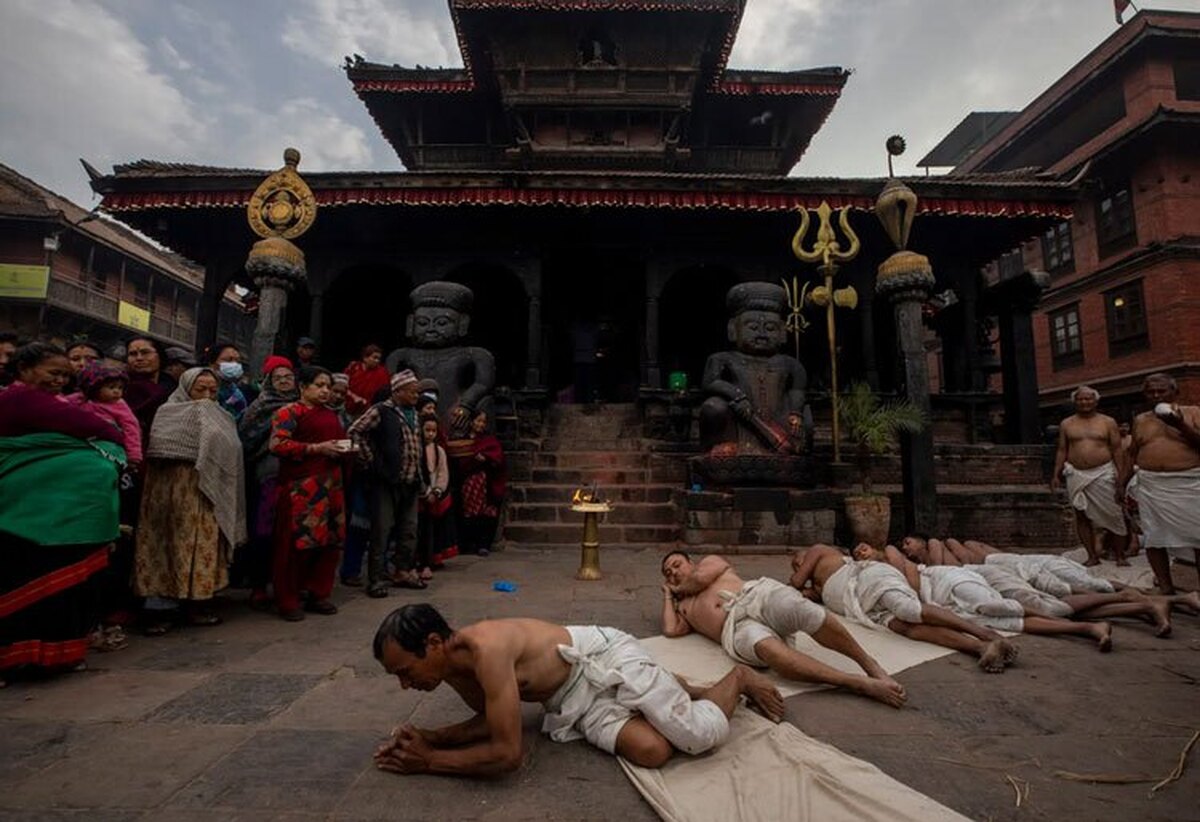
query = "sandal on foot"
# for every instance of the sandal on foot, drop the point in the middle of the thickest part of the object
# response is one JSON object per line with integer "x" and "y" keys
{"x": 158, "y": 627}
{"x": 409, "y": 579}
{"x": 352, "y": 582}
{"x": 203, "y": 619}
{"x": 295, "y": 615}
{"x": 321, "y": 606}
{"x": 426, "y": 574}
{"x": 377, "y": 590}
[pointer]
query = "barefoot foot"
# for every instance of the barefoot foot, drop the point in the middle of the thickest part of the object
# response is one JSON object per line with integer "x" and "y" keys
{"x": 1122, "y": 563}
{"x": 1189, "y": 602}
{"x": 991, "y": 658}
{"x": 1102, "y": 633}
{"x": 1011, "y": 651}
{"x": 1162, "y": 616}
{"x": 1092, "y": 562}
{"x": 759, "y": 690}
{"x": 888, "y": 691}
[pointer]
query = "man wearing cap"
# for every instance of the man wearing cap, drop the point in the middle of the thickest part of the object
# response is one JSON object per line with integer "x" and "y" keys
{"x": 389, "y": 445}
{"x": 177, "y": 361}
{"x": 306, "y": 352}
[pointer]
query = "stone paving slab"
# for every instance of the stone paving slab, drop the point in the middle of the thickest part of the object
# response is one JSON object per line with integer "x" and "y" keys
{"x": 111, "y": 696}
{"x": 282, "y": 770}
{"x": 131, "y": 766}
{"x": 235, "y": 699}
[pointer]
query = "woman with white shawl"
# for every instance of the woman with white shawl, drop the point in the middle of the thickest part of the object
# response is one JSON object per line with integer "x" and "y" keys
{"x": 193, "y": 510}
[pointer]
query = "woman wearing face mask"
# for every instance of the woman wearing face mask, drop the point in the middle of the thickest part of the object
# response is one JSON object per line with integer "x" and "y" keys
{"x": 193, "y": 508}
{"x": 226, "y": 361}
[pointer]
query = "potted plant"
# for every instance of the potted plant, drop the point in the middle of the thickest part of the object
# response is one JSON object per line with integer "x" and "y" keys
{"x": 873, "y": 427}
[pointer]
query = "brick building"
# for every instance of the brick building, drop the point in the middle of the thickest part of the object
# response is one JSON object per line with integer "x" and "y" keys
{"x": 1123, "y": 295}
{"x": 67, "y": 273}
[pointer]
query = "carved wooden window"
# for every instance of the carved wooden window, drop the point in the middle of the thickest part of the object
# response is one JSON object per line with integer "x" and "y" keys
{"x": 1115, "y": 227}
{"x": 1066, "y": 339}
{"x": 1125, "y": 310}
{"x": 1058, "y": 252}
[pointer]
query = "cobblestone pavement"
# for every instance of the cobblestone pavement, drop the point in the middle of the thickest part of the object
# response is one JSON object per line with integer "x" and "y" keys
{"x": 267, "y": 720}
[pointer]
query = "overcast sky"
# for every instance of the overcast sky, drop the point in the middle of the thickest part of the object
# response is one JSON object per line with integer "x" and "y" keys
{"x": 231, "y": 82}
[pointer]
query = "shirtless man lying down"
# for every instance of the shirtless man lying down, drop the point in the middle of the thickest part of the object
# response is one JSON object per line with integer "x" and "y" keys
{"x": 753, "y": 620}
{"x": 877, "y": 595}
{"x": 968, "y": 594}
{"x": 596, "y": 684}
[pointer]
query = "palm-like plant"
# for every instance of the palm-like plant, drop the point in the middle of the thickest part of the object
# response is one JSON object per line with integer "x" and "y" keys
{"x": 873, "y": 426}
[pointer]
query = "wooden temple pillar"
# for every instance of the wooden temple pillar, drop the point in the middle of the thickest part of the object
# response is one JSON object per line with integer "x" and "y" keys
{"x": 1013, "y": 300}
{"x": 657, "y": 274}
{"x": 866, "y": 320}
{"x": 218, "y": 274}
{"x": 530, "y": 272}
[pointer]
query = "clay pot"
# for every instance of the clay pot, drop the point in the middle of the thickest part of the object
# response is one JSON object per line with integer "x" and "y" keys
{"x": 870, "y": 518}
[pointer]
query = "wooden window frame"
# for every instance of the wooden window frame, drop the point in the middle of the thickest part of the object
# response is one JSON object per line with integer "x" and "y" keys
{"x": 1061, "y": 359}
{"x": 1125, "y": 322}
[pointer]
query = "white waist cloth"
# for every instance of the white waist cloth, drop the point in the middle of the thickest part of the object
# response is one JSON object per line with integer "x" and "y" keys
{"x": 968, "y": 594}
{"x": 1093, "y": 492}
{"x": 1055, "y": 575}
{"x": 871, "y": 594}
{"x": 1011, "y": 586}
{"x": 613, "y": 679}
{"x": 1168, "y": 507}
{"x": 763, "y": 609}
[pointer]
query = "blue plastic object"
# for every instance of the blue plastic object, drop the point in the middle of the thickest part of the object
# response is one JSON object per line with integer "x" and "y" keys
{"x": 504, "y": 585}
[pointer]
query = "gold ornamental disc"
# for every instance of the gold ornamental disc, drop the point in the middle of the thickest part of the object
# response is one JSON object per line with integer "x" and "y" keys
{"x": 283, "y": 205}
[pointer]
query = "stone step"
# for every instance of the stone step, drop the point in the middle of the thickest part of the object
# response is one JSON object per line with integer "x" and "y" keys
{"x": 519, "y": 493}
{"x": 558, "y": 444}
{"x": 622, "y": 514}
{"x": 592, "y": 459}
{"x": 587, "y": 476}
{"x": 609, "y": 534}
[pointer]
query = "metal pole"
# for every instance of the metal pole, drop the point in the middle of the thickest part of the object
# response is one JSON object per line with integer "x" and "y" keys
{"x": 833, "y": 383}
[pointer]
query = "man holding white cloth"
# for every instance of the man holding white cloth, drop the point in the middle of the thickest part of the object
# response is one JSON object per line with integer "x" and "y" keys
{"x": 1166, "y": 484}
{"x": 1089, "y": 450}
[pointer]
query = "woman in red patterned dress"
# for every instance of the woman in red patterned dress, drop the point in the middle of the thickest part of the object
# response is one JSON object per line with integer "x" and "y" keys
{"x": 483, "y": 486}
{"x": 310, "y": 527}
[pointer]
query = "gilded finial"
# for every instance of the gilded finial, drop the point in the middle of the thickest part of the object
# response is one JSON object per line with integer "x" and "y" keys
{"x": 283, "y": 205}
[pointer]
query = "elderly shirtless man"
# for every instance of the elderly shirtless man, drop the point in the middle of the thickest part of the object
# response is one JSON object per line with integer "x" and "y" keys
{"x": 877, "y": 595}
{"x": 753, "y": 620}
{"x": 1089, "y": 451}
{"x": 596, "y": 683}
{"x": 1166, "y": 486}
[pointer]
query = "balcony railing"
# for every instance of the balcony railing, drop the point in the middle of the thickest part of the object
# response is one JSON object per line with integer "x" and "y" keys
{"x": 79, "y": 298}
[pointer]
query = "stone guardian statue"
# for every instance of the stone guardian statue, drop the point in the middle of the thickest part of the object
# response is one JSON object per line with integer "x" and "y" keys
{"x": 757, "y": 403}
{"x": 465, "y": 374}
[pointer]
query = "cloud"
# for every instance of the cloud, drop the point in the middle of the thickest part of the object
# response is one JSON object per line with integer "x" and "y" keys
{"x": 76, "y": 82}
{"x": 385, "y": 31}
{"x": 326, "y": 142}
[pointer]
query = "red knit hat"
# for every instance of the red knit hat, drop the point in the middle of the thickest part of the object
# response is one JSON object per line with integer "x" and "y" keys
{"x": 276, "y": 361}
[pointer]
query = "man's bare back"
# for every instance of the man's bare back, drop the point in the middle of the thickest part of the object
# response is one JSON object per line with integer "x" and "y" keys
{"x": 528, "y": 646}
{"x": 817, "y": 565}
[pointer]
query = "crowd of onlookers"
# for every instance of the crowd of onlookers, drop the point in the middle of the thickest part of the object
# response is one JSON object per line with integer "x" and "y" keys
{"x": 136, "y": 483}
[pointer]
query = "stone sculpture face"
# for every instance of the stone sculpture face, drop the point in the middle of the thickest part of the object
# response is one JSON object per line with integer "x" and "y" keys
{"x": 437, "y": 326}
{"x": 758, "y": 332}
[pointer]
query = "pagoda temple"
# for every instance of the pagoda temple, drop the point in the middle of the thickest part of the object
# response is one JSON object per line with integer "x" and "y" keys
{"x": 592, "y": 158}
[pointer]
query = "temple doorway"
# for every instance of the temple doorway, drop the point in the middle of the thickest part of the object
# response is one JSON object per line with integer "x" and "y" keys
{"x": 364, "y": 304}
{"x": 592, "y": 316}
{"x": 499, "y": 317}
{"x": 693, "y": 320}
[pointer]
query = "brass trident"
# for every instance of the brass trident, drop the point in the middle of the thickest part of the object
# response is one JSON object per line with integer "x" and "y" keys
{"x": 828, "y": 253}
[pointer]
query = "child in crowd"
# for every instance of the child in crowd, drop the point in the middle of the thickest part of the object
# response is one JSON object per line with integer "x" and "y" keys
{"x": 435, "y": 543}
{"x": 101, "y": 391}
